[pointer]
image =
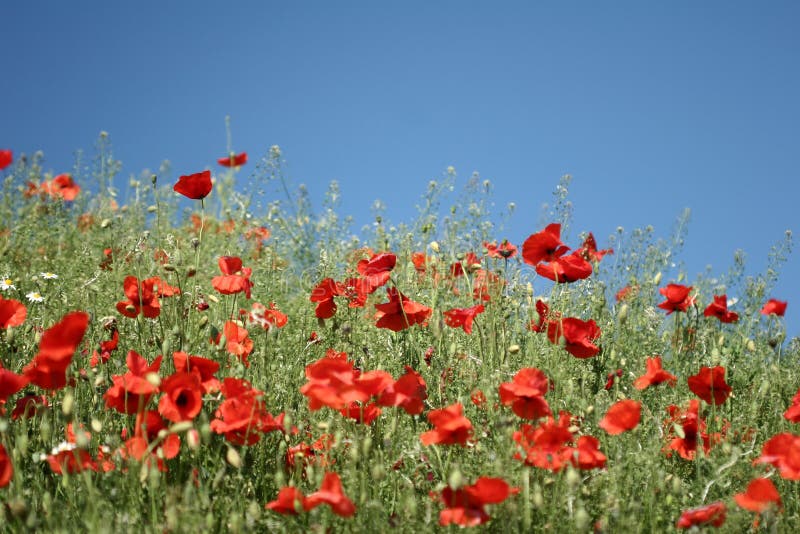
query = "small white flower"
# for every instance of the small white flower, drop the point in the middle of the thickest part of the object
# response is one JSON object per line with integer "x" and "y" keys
{"x": 6, "y": 283}
{"x": 49, "y": 276}
{"x": 34, "y": 296}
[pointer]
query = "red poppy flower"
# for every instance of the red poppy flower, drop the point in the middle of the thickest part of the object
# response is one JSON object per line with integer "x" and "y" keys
{"x": 363, "y": 413}
{"x": 6, "y": 467}
{"x": 587, "y": 454}
{"x": 237, "y": 341}
{"x": 48, "y": 369}
{"x": 719, "y": 309}
{"x": 71, "y": 459}
{"x": 627, "y": 292}
{"x": 462, "y": 317}
{"x": 654, "y": 375}
{"x": 377, "y": 269}
{"x": 760, "y": 496}
{"x": 29, "y": 406}
{"x": 677, "y": 296}
{"x": 621, "y": 417}
{"x": 10, "y": 383}
{"x": 12, "y": 313}
{"x": 334, "y": 382}
{"x": 234, "y": 160}
{"x": 712, "y": 514}
{"x": 504, "y": 250}
{"x": 409, "y": 392}
{"x": 465, "y": 506}
{"x": 267, "y": 318}
{"x": 400, "y": 312}
{"x": 793, "y": 412}
{"x": 525, "y": 393}
{"x": 6, "y": 158}
{"x": 773, "y": 306}
{"x": 323, "y": 295}
{"x": 544, "y": 246}
{"x": 544, "y": 317}
{"x": 709, "y": 384}
{"x": 204, "y": 368}
{"x": 242, "y": 417}
{"x": 611, "y": 378}
{"x": 290, "y": 501}
{"x": 62, "y": 186}
{"x": 106, "y": 348}
{"x": 589, "y": 249}
{"x": 234, "y": 279}
{"x": 783, "y": 452}
{"x": 451, "y": 427}
{"x": 131, "y": 392}
{"x": 578, "y": 336}
{"x": 142, "y": 298}
{"x": 183, "y": 397}
{"x": 692, "y": 431}
{"x": 420, "y": 260}
{"x": 566, "y": 269}
{"x": 331, "y": 493}
{"x": 195, "y": 186}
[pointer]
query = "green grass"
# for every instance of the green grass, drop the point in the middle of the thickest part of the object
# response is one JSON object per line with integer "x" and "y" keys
{"x": 385, "y": 470}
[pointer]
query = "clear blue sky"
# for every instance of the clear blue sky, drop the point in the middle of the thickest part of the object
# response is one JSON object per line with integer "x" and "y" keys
{"x": 651, "y": 106}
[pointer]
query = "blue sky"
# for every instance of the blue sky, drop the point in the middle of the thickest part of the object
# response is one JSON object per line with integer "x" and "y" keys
{"x": 651, "y": 107}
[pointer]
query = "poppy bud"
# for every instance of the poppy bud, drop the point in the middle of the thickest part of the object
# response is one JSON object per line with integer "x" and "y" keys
{"x": 97, "y": 426}
{"x": 130, "y": 308}
{"x": 538, "y": 500}
{"x": 751, "y": 345}
{"x": 195, "y": 242}
{"x": 513, "y": 349}
{"x": 152, "y": 208}
{"x": 233, "y": 458}
{"x": 456, "y": 479}
{"x": 213, "y": 299}
{"x": 623, "y": 313}
{"x": 169, "y": 267}
{"x": 434, "y": 246}
{"x": 67, "y": 403}
{"x": 154, "y": 179}
{"x": 193, "y": 439}
{"x": 153, "y": 379}
{"x": 105, "y": 223}
{"x": 657, "y": 279}
{"x": 202, "y": 306}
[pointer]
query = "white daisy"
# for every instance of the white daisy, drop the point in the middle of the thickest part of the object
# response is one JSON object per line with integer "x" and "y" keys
{"x": 34, "y": 296}
{"x": 6, "y": 283}
{"x": 49, "y": 276}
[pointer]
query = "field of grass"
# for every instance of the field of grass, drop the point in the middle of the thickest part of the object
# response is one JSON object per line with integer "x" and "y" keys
{"x": 234, "y": 362}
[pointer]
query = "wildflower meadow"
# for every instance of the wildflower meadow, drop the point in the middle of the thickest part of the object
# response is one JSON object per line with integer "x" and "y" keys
{"x": 200, "y": 350}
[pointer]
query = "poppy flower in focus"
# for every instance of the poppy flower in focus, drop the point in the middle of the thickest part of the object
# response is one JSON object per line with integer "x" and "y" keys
{"x": 589, "y": 249}
{"x": 654, "y": 375}
{"x": 48, "y": 369}
{"x": 12, "y": 313}
{"x": 677, "y": 296}
{"x": 566, "y": 269}
{"x": 587, "y": 454}
{"x": 760, "y": 495}
{"x": 692, "y": 431}
{"x": 142, "y": 298}
{"x": 204, "y": 368}
{"x": 234, "y": 278}
{"x": 183, "y": 397}
{"x": 323, "y": 295}
{"x": 793, "y": 412}
{"x": 465, "y": 506}
{"x": 195, "y": 186}
{"x": 377, "y": 269}
{"x": 525, "y": 393}
{"x": 774, "y": 307}
{"x": 132, "y": 391}
{"x": 783, "y": 452}
{"x": 709, "y": 384}
{"x": 237, "y": 341}
{"x": 549, "y": 445}
{"x": 713, "y": 514}
{"x": 6, "y": 158}
{"x": 450, "y": 427}
{"x": 544, "y": 316}
{"x": 234, "y": 160}
{"x": 242, "y": 417}
{"x": 544, "y": 246}
{"x": 363, "y": 413}
{"x": 462, "y": 317}
{"x": 578, "y": 336}
{"x": 504, "y": 250}
{"x": 719, "y": 309}
{"x": 106, "y": 348}
{"x": 621, "y": 417}
{"x": 400, "y": 312}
